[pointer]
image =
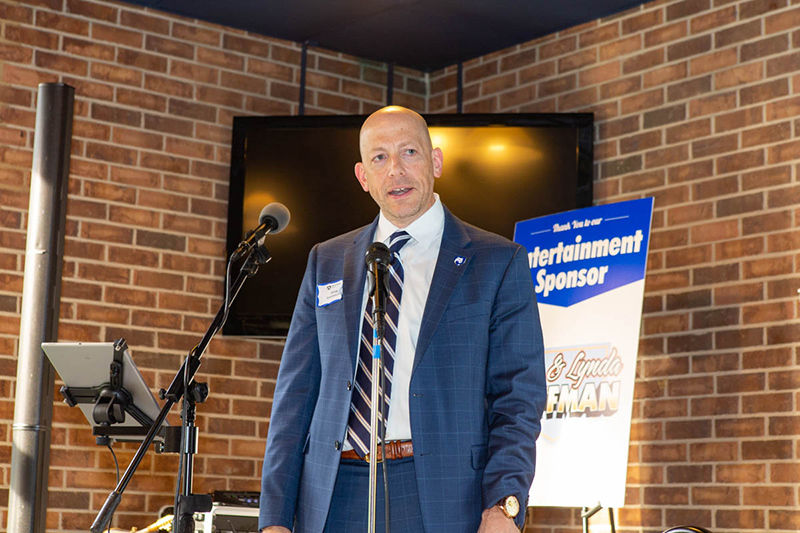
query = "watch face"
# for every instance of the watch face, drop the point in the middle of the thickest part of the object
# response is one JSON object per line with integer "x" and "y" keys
{"x": 511, "y": 506}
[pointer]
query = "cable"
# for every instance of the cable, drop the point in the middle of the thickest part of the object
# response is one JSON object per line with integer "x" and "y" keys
{"x": 116, "y": 467}
{"x": 383, "y": 448}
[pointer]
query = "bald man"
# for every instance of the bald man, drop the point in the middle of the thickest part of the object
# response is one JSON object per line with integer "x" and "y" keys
{"x": 467, "y": 379}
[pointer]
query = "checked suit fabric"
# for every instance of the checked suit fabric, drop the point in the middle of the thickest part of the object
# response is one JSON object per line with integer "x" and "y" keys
{"x": 359, "y": 419}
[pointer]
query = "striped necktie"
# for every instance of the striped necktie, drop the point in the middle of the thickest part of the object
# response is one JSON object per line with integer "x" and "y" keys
{"x": 358, "y": 423}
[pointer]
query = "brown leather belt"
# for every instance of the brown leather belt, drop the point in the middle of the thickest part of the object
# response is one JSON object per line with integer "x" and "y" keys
{"x": 395, "y": 449}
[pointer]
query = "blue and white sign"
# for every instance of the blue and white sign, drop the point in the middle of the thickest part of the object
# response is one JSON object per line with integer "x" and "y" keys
{"x": 588, "y": 269}
{"x": 579, "y": 254}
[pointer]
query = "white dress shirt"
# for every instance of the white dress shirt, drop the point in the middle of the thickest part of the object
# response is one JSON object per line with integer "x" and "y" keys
{"x": 419, "y": 261}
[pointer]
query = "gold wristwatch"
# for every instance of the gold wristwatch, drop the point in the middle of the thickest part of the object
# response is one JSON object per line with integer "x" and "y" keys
{"x": 510, "y": 506}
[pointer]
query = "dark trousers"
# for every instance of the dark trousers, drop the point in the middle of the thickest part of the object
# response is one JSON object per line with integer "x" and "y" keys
{"x": 350, "y": 503}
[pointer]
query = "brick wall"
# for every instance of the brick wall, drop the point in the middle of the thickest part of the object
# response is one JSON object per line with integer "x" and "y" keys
{"x": 155, "y": 97}
{"x": 696, "y": 104}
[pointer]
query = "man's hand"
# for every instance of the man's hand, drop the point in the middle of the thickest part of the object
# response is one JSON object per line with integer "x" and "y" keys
{"x": 275, "y": 529}
{"x": 494, "y": 520}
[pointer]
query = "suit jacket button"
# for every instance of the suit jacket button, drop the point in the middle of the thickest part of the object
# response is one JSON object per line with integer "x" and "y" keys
{"x": 337, "y": 444}
{"x": 349, "y": 385}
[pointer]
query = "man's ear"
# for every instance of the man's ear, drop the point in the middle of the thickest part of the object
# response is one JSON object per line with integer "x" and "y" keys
{"x": 438, "y": 161}
{"x": 361, "y": 176}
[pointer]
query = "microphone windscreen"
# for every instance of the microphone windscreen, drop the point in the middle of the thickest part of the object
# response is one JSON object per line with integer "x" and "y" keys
{"x": 277, "y": 213}
{"x": 378, "y": 253}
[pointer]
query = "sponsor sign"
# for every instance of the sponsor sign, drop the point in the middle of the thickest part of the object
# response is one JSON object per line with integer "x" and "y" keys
{"x": 588, "y": 269}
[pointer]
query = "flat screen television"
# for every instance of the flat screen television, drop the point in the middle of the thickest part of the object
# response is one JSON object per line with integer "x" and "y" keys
{"x": 498, "y": 169}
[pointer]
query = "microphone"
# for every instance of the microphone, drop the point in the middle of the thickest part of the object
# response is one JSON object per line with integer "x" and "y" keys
{"x": 378, "y": 258}
{"x": 378, "y": 255}
{"x": 273, "y": 219}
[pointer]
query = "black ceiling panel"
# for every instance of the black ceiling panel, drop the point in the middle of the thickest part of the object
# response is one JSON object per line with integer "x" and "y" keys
{"x": 421, "y": 34}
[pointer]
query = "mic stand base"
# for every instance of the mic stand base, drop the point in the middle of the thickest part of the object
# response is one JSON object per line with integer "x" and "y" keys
{"x": 188, "y": 505}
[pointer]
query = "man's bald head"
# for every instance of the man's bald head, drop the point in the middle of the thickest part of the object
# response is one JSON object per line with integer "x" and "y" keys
{"x": 395, "y": 114}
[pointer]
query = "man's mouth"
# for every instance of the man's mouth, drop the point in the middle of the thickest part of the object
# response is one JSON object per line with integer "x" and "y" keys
{"x": 399, "y": 191}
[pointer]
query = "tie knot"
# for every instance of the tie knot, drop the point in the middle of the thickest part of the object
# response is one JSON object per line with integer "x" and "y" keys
{"x": 397, "y": 241}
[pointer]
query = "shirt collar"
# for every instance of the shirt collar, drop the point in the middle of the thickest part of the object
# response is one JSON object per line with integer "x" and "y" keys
{"x": 424, "y": 230}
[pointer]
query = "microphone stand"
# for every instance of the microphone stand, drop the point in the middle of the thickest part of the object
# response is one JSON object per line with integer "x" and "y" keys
{"x": 378, "y": 322}
{"x": 188, "y": 503}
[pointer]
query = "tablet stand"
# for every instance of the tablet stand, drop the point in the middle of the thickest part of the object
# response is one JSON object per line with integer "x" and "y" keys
{"x": 111, "y": 402}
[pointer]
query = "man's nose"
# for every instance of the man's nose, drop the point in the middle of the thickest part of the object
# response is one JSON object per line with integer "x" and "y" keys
{"x": 396, "y": 167}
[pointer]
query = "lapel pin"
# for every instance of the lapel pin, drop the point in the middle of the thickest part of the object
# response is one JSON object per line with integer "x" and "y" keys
{"x": 458, "y": 261}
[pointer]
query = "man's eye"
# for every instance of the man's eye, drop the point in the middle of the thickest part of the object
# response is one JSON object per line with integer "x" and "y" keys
{"x": 379, "y": 158}
{"x": 411, "y": 151}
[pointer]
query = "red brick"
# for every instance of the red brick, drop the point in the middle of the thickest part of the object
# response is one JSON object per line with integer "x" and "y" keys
{"x": 754, "y": 8}
{"x": 147, "y": 23}
{"x": 715, "y": 19}
{"x": 164, "y": 162}
{"x": 170, "y": 125}
{"x": 737, "y": 427}
{"x": 577, "y": 60}
{"x": 92, "y": 10}
{"x": 783, "y": 425}
{"x": 111, "y": 153}
{"x": 34, "y": 37}
{"x": 714, "y": 451}
{"x": 60, "y": 22}
{"x": 767, "y": 222}
{"x": 712, "y": 104}
{"x": 663, "y": 453}
{"x": 196, "y": 34}
{"x": 740, "y": 161}
{"x": 16, "y": 13}
{"x": 766, "y": 358}
{"x": 518, "y": 59}
{"x": 666, "y": 495}
{"x": 740, "y": 519}
{"x": 665, "y": 74}
{"x": 115, "y": 74}
{"x": 578, "y": 100}
{"x": 116, "y": 34}
{"x": 714, "y": 188}
{"x": 785, "y": 152}
{"x": 665, "y": 34}
{"x": 643, "y": 61}
{"x": 642, "y": 21}
{"x": 138, "y": 217}
{"x": 620, "y": 47}
{"x": 767, "y": 403}
{"x": 168, "y": 86}
{"x": 784, "y": 520}
{"x": 764, "y": 91}
{"x": 558, "y": 47}
{"x": 88, "y": 49}
{"x": 244, "y": 45}
{"x": 192, "y": 71}
{"x": 715, "y": 407}
{"x": 772, "y": 266}
{"x": 689, "y": 47}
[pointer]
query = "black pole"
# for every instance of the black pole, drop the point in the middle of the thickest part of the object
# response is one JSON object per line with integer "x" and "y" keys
{"x": 301, "y": 106}
{"x": 460, "y": 88}
{"x": 389, "y": 83}
{"x": 41, "y": 292}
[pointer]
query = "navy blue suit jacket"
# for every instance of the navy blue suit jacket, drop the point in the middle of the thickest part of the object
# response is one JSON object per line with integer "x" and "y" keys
{"x": 476, "y": 394}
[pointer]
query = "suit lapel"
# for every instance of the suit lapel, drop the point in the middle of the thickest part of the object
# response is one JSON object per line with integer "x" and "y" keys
{"x": 355, "y": 272}
{"x": 454, "y": 256}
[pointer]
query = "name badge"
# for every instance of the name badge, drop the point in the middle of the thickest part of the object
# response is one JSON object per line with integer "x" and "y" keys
{"x": 327, "y": 293}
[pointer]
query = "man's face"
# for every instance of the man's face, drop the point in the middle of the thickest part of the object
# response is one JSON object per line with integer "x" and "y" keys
{"x": 398, "y": 165}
